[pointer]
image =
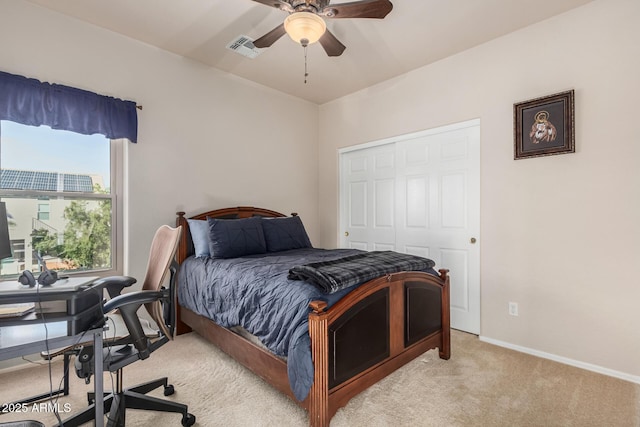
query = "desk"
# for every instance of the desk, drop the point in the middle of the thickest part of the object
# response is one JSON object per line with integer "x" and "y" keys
{"x": 82, "y": 319}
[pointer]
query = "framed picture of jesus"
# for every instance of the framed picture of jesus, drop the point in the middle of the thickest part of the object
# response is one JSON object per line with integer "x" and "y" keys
{"x": 544, "y": 126}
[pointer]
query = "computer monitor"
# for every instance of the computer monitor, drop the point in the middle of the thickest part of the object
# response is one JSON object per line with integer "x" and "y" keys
{"x": 5, "y": 243}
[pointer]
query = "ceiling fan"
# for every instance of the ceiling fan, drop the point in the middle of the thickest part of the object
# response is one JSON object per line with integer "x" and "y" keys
{"x": 305, "y": 23}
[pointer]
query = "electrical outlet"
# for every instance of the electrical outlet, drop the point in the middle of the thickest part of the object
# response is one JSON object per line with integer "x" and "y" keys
{"x": 513, "y": 308}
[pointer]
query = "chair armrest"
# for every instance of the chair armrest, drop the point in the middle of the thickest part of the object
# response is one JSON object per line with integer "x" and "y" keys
{"x": 115, "y": 284}
{"x": 134, "y": 298}
{"x": 128, "y": 304}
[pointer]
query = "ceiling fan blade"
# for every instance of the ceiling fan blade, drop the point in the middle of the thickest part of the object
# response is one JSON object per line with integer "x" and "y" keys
{"x": 271, "y": 37}
{"x": 278, "y": 4}
{"x": 358, "y": 9}
{"x": 331, "y": 44}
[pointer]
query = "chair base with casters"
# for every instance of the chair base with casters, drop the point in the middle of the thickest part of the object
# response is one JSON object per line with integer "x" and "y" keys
{"x": 115, "y": 405}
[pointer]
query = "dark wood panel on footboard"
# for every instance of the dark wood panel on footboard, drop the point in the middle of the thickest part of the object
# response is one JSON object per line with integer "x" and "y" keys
{"x": 372, "y": 331}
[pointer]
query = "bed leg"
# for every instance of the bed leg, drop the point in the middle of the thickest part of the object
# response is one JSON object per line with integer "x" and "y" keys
{"x": 445, "y": 345}
{"x": 319, "y": 393}
{"x": 181, "y": 327}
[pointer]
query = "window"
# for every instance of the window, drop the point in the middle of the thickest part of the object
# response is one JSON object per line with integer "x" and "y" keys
{"x": 43, "y": 211}
{"x": 17, "y": 249}
{"x": 61, "y": 190}
{"x": 61, "y": 146}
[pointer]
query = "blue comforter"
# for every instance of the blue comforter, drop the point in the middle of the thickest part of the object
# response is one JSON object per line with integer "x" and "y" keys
{"x": 255, "y": 293}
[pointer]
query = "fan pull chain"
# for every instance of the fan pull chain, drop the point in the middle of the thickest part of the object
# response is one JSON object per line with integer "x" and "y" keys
{"x": 305, "y": 65}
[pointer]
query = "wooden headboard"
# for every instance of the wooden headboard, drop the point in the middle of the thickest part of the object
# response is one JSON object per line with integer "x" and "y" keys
{"x": 185, "y": 246}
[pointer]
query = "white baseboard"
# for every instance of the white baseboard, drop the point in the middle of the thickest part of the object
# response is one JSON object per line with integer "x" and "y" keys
{"x": 565, "y": 360}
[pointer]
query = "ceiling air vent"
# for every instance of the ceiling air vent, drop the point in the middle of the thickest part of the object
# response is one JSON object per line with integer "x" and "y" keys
{"x": 244, "y": 46}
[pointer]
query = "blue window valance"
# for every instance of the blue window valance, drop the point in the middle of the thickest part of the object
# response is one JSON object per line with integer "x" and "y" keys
{"x": 32, "y": 102}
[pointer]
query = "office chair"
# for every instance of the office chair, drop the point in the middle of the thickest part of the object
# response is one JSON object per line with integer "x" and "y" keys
{"x": 136, "y": 344}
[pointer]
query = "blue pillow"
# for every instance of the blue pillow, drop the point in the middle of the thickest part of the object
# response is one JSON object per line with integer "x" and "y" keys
{"x": 200, "y": 236}
{"x": 283, "y": 234}
{"x": 231, "y": 238}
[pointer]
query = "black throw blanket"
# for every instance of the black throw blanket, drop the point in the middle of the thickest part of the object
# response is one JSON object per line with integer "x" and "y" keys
{"x": 332, "y": 276}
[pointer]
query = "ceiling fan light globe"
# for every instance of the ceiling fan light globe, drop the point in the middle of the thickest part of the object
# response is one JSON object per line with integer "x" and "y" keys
{"x": 304, "y": 25}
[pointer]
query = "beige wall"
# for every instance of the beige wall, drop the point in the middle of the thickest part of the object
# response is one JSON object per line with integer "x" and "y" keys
{"x": 559, "y": 234}
{"x": 207, "y": 139}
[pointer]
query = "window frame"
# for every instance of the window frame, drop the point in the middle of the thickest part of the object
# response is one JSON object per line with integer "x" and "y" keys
{"x": 116, "y": 153}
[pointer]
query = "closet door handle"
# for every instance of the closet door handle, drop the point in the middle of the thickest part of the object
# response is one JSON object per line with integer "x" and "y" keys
{"x": 346, "y": 234}
{"x": 473, "y": 240}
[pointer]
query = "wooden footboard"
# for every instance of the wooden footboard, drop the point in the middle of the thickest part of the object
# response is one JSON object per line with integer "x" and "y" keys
{"x": 372, "y": 331}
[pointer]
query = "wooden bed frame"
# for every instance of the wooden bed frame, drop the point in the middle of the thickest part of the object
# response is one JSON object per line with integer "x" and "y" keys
{"x": 372, "y": 331}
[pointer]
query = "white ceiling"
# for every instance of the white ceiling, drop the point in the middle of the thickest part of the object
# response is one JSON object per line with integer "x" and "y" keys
{"x": 414, "y": 34}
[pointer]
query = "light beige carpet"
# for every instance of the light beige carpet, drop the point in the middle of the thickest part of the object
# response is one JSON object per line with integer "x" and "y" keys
{"x": 481, "y": 385}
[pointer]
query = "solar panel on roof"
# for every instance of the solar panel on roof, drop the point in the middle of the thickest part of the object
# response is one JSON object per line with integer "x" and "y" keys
{"x": 85, "y": 183}
{"x": 11, "y": 179}
{"x": 77, "y": 183}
